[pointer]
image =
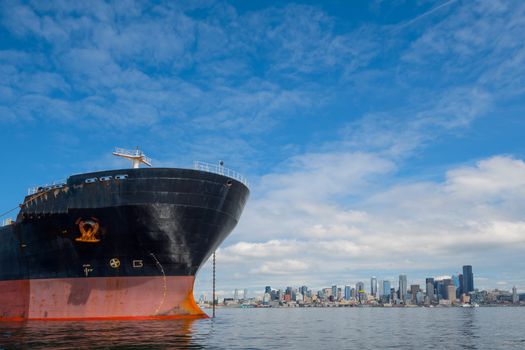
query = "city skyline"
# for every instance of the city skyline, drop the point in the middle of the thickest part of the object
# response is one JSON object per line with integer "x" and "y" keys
{"x": 379, "y": 138}
{"x": 382, "y": 284}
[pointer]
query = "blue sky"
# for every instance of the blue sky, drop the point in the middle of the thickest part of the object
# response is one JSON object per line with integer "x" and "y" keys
{"x": 380, "y": 137}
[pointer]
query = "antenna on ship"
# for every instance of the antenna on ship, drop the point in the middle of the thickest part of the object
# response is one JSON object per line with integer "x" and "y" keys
{"x": 136, "y": 156}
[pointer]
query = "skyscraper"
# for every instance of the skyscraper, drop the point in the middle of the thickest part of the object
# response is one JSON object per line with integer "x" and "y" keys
{"x": 386, "y": 288}
{"x": 304, "y": 291}
{"x": 373, "y": 286}
{"x": 268, "y": 289}
{"x": 360, "y": 291}
{"x": 334, "y": 292}
{"x": 430, "y": 288}
{"x": 348, "y": 291}
{"x": 451, "y": 293}
{"x": 236, "y": 294}
{"x": 403, "y": 285}
{"x": 414, "y": 289}
{"x": 468, "y": 279}
{"x": 245, "y": 294}
{"x": 380, "y": 288}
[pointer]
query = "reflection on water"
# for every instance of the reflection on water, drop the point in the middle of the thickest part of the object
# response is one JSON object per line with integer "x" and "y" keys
{"x": 301, "y": 328}
{"x": 101, "y": 334}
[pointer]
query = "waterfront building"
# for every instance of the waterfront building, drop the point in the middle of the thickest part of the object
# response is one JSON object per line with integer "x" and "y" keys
{"x": 403, "y": 286}
{"x": 468, "y": 279}
{"x": 236, "y": 295}
{"x": 245, "y": 294}
{"x": 373, "y": 286}
{"x": 334, "y": 292}
{"x": 386, "y": 288}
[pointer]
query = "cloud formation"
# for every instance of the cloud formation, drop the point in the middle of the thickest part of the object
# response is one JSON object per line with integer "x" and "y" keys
{"x": 353, "y": 127}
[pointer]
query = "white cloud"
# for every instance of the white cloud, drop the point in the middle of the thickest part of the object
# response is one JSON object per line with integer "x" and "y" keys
{"x": 413, "y": 227}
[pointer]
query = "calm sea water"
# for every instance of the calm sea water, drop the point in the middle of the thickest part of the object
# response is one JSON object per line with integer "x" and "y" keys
{"x": 329, "y": 328}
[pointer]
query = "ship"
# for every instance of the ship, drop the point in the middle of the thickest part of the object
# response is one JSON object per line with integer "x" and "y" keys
{"x": 117, "y": 244}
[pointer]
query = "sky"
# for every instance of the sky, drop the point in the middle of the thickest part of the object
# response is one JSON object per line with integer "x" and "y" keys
{"x": 379, "y": 137}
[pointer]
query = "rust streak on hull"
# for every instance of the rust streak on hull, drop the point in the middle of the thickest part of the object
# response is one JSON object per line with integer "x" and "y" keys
{"x": 98, "y": 298}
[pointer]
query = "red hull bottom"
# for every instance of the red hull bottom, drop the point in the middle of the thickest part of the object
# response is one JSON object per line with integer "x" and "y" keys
{"x": 99, "y": 298}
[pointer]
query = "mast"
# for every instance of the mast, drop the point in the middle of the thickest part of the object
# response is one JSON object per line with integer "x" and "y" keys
{"x": 136, "y": 156}
{"x": 213, "y": 297}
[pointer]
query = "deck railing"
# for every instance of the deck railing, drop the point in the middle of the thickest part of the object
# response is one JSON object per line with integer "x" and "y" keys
{"x": 7, "y": 222}
{"x": 221, "y": 170}
{"x": 54, "y": 184}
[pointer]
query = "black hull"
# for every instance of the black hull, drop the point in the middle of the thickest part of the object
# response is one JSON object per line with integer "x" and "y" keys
{"x": 153, "y": 222}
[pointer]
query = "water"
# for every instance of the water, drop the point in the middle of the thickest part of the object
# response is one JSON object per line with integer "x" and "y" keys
{"x": 311, "y": 328}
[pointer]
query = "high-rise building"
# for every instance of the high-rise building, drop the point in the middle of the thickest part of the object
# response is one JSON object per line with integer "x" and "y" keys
{"x": 429, "y": 283}
{"x": 403, "y": 285}
{"x": 468, "y": 279}
{"x": 348, "y": 290}
{"x": 455, "y": 281}
{"x": 430, "y": 288}
{"x": 360, "y": 291}
{"x": 304, "y": 290}
{"x": 334, "y": 292}
{"x": 414, "y": 289}
{"x": 447, "y": 282}
{"x": 392, "y": 295}
{"x": 268, "y": 289}
{"x": 461, "y": 288}
{"x": 451, "y": 293}
{"x": 515, "y": 296}
{"x": 236, "y": 294}
{"x": 440, "y": 289}
{"x": 380, "y": 286}
{"x": 386, "y": 288}
{"x": 373, "y": 286}
{"x": 245, "y": 294}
